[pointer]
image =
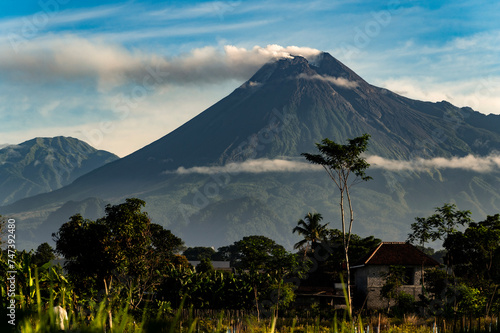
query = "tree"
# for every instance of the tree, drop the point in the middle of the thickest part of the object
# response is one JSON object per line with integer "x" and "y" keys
{"x": 440, "y": 225}
{"x": 199, "y": 252}
{"x": 394, "y": 280}
{"x": 340, "y": 163}
{"x": 122, "y": 248}
{"x": 205, "y": 265}
{"x": 44, "y": 253}
{"x": 311, "y": 229}
{"x": 475, "y": 257}
{"x": 262, "y": 260}
{"x": 250, "y": 253}
{"x": 476, "y": 251}
{"x": 358, "y": 247}
{"x": 436, "y": 255}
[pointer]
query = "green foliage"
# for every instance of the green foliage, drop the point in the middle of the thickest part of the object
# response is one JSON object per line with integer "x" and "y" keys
{"x": 472, "y": 256}
{"x": 475, "y": 253}
{"x": 251, "y": 253}
{"x": 405, "y": 304}
{"x": 199, "y": 252}
{"x": 436, "y": 255}
{"x": 437, "y": 281}
{"x": 123, "y": 248}
{"x": 341, "y": 160}
{"x": 262, "y": 267}
{"x": 266, "y": 264}
{"x": 471, "y": 301}
{"x": 206, "y": 290}
{"x": 438, "y": 226}
{"x": 205, "y": 265}
{"x": 394, "y": 279}
{"x": 50, "y": 278}
{"x": 44, "y": 253}
{"x": 358, "y": 248}
{"x": 311, "y": 229}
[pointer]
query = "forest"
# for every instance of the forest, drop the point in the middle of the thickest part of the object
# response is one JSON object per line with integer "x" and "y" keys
{"x": 123, "y": 273}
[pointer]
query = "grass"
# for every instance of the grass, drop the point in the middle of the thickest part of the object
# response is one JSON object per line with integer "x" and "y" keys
{"x": 39, "y": 318}
{"x": 184, "y": 320}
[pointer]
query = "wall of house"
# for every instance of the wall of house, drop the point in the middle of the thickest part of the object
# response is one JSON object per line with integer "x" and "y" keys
{"x": 370, "y": 279}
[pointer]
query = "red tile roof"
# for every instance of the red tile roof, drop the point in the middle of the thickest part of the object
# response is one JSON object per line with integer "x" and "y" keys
{"x": 397, "y": 253}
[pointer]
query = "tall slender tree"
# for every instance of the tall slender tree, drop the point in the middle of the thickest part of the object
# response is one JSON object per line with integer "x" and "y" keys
{"x": 346, "y": 167}
{"x": 312, "y": 230}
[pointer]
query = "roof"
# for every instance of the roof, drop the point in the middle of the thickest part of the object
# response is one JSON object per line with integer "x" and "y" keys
{"x": 397, "y": 253}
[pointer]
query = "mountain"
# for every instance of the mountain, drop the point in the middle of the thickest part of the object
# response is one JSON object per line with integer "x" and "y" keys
{"x": 45, "y": 164}
{"x": 279, "y": 113}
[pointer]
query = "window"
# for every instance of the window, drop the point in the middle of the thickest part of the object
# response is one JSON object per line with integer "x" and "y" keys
{"x": 409, "y": 277}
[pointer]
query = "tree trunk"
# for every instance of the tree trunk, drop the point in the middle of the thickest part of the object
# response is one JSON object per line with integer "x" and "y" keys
{"x": 256, "y": 302}
{"x": 346, "y": 251}
{"x": 278, "y": 300}
{"x": 110, "y": 316}
{"x": 348, "y": 240}
{"x": 348, "y": 283}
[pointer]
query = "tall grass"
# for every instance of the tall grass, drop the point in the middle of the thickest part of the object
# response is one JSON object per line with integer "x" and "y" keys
{"x": 42, "y": 320}
{"x": 39, "y": 318}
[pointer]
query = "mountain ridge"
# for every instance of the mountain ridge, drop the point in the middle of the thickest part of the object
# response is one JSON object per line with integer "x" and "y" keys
{"x": 42, "y": 165}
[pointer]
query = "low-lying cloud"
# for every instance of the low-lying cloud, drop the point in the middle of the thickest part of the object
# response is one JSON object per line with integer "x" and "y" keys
{"x": 338, "y": 81}
{"x": 250, "y": 166}
{"x": 483, "y": 164}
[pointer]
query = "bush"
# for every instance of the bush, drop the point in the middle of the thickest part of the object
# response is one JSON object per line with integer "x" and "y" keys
{"x": 405, "y": 304}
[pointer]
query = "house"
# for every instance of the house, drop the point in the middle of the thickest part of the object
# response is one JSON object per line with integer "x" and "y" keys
{"x": 370, "y": 272}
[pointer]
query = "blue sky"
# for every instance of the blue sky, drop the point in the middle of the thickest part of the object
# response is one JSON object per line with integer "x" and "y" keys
{"x": 121, "y": 74}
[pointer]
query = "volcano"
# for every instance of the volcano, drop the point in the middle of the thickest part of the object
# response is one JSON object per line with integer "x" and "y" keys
{"x": 260, "y": 130}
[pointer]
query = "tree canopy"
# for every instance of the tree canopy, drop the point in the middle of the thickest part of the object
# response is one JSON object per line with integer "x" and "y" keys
{"x": 199, "y": 252}
{"x": 312, "y": 230}
{"x": 440, "y": 225}
{"x": 251, "y": 253}
{"x": 122, "y": 247}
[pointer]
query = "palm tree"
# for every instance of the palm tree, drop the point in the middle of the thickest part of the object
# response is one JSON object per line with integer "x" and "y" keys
{"x": 311, "y": 229}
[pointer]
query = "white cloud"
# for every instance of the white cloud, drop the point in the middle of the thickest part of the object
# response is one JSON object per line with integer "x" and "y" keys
{"x": 213, "y": 8}
{"x": 69, "y": 58}
{"x": 338, "y": 81}
{"x": 463, "y": 71}
{"x": 251, "y": 166}
{"x": 46, "y": 110}
{"x": 489, "y": 163}
{"x": 481, "y": 94}
{"x": 484, "y": 164}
